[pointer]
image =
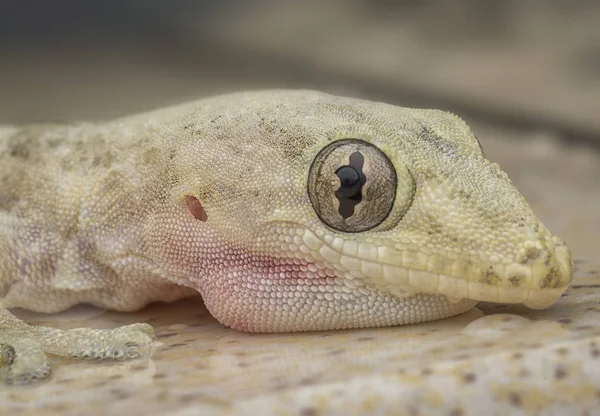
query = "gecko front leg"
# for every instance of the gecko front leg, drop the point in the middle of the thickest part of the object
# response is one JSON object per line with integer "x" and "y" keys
{"x": 23, "y": 347}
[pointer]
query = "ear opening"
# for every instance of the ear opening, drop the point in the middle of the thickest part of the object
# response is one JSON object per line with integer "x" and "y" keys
{"x": 196, "y": 208}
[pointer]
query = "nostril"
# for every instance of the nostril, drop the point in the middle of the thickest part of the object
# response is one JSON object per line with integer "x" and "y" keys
{"x": 532, "y": 253}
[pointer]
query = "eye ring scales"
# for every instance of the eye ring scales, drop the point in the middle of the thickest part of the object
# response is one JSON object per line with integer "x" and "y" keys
{"x": 352, "y": 185}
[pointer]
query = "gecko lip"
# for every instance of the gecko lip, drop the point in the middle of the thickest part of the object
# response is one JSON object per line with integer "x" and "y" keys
{"x": 535, "y": 282}
{"x": 455, "y": 288}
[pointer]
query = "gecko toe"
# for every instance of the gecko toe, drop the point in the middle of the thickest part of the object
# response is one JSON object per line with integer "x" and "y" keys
{"x": 128, "y": 342}
{"x": 22, "y": 360}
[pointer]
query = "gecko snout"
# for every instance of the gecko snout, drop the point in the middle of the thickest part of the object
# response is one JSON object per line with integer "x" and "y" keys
{"x": 551, "y": 265}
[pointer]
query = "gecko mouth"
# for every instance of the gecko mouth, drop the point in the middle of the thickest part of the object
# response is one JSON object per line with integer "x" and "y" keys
{"x": 457, "y": 288}
{"x": 537, "y": 281}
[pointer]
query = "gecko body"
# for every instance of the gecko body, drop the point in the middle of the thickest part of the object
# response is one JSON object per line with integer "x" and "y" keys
{"x": 285, "y": 210}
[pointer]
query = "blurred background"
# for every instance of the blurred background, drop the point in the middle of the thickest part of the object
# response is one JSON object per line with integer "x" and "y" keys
{"x": 524, "y": 75}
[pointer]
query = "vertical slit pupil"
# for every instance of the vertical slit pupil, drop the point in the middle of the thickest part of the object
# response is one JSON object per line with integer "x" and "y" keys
{"x": 352, "y": 180}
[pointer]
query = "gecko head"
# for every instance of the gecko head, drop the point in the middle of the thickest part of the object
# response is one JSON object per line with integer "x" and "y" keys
{"x": 425, "y": 211}
{"x": 348, "y": 213}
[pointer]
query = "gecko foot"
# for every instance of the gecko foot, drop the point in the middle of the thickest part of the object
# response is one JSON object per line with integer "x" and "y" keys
{"x": 21, "y": 359}
{"x": 23, "y": 349}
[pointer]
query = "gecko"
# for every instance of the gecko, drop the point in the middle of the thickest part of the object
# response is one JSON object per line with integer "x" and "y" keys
{"x": 286, "y": 210}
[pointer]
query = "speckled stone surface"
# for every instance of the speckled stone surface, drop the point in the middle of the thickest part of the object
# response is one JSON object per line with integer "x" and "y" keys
{"x": 495, "y": 359}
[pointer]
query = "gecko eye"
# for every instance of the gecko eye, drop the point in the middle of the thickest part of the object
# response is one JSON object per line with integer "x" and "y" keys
{"x": 352, "y": 185}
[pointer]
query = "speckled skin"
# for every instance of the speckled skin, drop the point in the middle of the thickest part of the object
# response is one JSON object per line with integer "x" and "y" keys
{"x": 101, "y": 214}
